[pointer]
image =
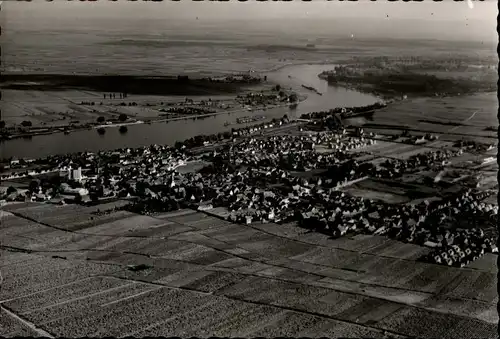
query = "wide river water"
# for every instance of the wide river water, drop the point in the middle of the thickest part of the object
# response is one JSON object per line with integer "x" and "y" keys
{"x": 168, "y": 133}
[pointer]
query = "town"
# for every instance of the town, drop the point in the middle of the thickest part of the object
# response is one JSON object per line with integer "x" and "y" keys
{"x": 249, "y": 172}
{"x": 282, "y": 172}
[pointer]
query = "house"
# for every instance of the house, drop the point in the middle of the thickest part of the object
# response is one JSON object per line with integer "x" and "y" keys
{"x": 74, "y": 191}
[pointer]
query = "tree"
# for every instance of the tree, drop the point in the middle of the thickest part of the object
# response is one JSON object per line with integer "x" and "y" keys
{"x": 2, "y": 124}
{"x": 277, "y": 88}
{"x": 101, "y": 120}
{"x": 293, "y": 97}
{"x": 26, "y": 123}
{"x": 281, "y": 93}
{"x": 78, "y": 199}
{"x": 101, "y": 131}
{"x": 11, "y": 190}
{"x": 140, "y": 188}
{"x": 123, "y": 129}
{"x": 33, "y": 187}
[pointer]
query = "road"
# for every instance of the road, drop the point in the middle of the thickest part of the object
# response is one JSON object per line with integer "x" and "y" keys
{"x": 464, "y": 121}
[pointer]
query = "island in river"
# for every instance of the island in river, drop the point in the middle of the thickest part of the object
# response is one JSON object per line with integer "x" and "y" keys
{"x": 114, "y": 101}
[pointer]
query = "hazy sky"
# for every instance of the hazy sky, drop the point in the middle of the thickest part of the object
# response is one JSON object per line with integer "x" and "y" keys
{"x": 449, "y": 19}
{"x": 446, "y": 10}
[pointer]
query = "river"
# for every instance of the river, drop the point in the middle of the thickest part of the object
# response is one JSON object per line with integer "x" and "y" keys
{"x": 168, "y": 133}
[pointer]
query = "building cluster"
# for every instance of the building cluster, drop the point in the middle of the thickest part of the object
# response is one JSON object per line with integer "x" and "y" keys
{"x": 342, "y": 111}
{"x": 263, "y": 99}
{"x": 249, "y": 119}
{"x": 247, "y": 131}
{"x": 267, "y": 191}
{"x": 84, "y": 177}
{"x": 204, "y": 140}
{"x": 340, "y": 70}
{"x": 294, "y": 153}
{"x": 240, "y": 78}
{"x": 395, "y": 168}
{"x": 427, "y": 224}
{"x": 472, "y": 145}
{"x": 459, "y": 237}
{"x": 272, "y": 179}
{"x": 129, "y": 172}
{"x": 186, "y": 110}
{"x": 415, "y": 139}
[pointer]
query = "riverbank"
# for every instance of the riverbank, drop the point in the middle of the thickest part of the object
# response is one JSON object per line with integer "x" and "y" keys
{"x": 33, "y": 113}
{"x": 401, "y": 112}
{"x": 174, "y": 129}
{"x": 399, "y": 82}
{"x": 69, "y": 129}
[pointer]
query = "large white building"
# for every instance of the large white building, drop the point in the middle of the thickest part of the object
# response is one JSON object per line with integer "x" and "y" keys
{"x": 75, "y": 174}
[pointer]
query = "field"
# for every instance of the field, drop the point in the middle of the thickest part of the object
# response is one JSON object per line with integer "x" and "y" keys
{"x": 68, "y": 271}
{"x": 412, "y": 187}
{"x": 60, "y": 108}
{"x": 390, "y": 191}
{"x": 396, "y": 150}
{"x": 472, "y": 113}
{"x": 387, "y": 197}
{"x": 191, "y": 167}
{"x": 207, "y": 277}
